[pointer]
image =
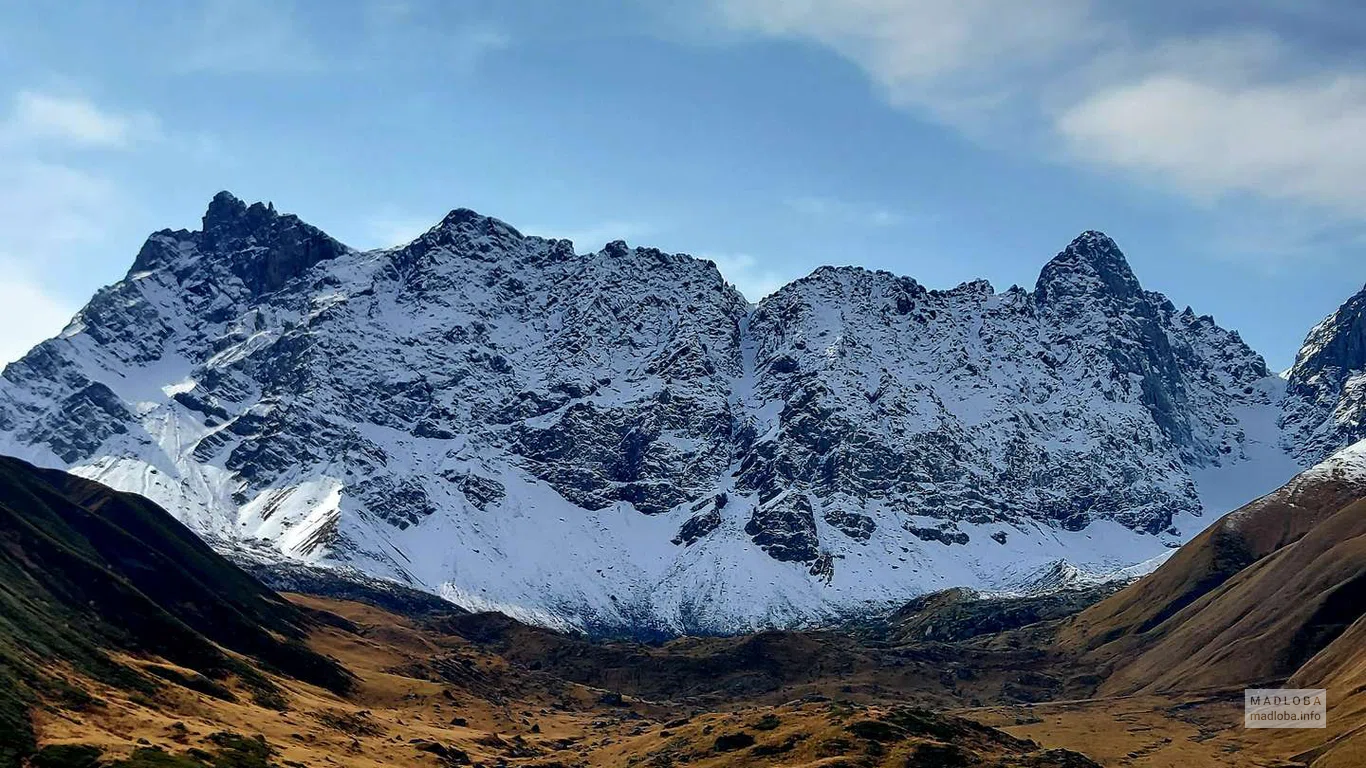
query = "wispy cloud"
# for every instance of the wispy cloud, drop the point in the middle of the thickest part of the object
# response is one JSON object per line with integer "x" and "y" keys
{"x": 745, "y": 272}
{"x": 1302, "y": 141}
{"x": 29, "y": 313}
{"x": 46, "y": 209}
{"x": 954, "y": 58}
{"x": 1238, "y": 111}
{"x": 845, "y": 212}
{"x": 236, "y": 37}
{"x": 51, "y": 206}
{"x": 277, "y": 37}
{"x": 74, "y": 121}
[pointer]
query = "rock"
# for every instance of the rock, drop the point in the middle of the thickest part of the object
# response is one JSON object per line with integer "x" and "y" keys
{"x": 1325, "y": 405}
{"x": 460, "y": 413}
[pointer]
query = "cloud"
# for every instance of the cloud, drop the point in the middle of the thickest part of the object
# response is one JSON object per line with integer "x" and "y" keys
{"x": 470, "y": 44}
{"x": 1302, "y": 142}
{"x": 391, "y": 228}
{"x": 845, "y": 212}
{"x": 29, "y": 313}
{"x": 235, "y": 37}
{"x": 47, "y": 203}
{"x": 745, "y": 272}
{"x": 422, "y": 36}
{"x": 50, "y": 208}
{"x": 279, "y": 37}
{"x": 944, "y": 56}
{"x": 45, "y": 207}
{"x": 593, "y": 237}
{"x": 1211, "y": 110}
{"x": 74, "y": 122}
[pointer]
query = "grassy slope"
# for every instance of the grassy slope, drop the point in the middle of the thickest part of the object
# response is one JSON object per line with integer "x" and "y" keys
{"x": 85, "y": 570}
{"x": 1148, "y": 634}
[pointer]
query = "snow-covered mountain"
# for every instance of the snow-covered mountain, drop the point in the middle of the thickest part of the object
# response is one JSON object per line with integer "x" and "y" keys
{"x": 1326, "y": 404}
{"x": 619, "y": 440}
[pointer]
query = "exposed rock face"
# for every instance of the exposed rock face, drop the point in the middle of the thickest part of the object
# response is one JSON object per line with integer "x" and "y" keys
{"x": 949, "y": 404}
{"x": 1326, "y": 398}
{"x": 619, "y": 438}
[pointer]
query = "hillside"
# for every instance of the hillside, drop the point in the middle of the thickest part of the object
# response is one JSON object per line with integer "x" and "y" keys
{"x": 89, "y": 575}
{"x": 1250, "y": 599}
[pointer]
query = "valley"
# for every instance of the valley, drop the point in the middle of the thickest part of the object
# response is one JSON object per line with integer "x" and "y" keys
{"x": 1082, "y": 677}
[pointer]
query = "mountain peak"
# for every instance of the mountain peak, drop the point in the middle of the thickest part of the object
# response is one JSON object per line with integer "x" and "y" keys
{"x": 260, "y": 245}
{"x": 229, "y": 219}
{"x": 224, "y": 207}
{"x": 1092, "y": 264}
{"x": 465, "y": 219}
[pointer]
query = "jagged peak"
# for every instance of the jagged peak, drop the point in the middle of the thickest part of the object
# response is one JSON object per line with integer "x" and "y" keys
{"x": 1338, "y": 341}
{"x": 225, "y": 207}
{"x": 978, "y": 287}
{"x": 1092, "y": 264}
{"x": 468, "y": 220}
{"x": 263, "y": 247}
{"x": 229, "y": 219}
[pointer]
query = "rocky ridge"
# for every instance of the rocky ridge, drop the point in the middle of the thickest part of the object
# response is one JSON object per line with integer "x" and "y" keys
{"x": 620, "y": 440}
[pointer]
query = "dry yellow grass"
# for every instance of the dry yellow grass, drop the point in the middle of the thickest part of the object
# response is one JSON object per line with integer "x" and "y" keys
{"x": 430, "y": 699}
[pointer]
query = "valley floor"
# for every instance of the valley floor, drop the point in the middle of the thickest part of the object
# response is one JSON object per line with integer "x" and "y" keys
{"x": 482, "y": 690}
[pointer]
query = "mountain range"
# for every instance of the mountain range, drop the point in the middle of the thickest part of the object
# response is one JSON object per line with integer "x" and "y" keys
{"x": 620, "y": 441}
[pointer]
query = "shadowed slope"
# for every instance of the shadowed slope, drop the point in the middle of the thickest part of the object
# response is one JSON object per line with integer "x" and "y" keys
{"x": 85, "y": 570}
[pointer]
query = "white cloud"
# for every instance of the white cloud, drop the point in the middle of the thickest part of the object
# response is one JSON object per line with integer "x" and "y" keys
{"x": 1237, "y": 111}
{"x": 846, "y": 212}
{"x": 280, "y": 37}
{"x": 29, "y": 313}
{"x": 1302, "y": 141}
{"x": 469, "y": 45}
{"x": 946, "y": 56}
{"x": 391, "y": 228}
{"x": 746, "y": 273}
{"x": 51, "y": 209}
{"x": 73, "y": 121}
{"x": 45, "y": 207}
{"x": 47, "y": 213}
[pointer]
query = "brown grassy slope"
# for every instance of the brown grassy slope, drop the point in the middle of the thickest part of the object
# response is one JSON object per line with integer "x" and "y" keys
{"x": 1251, "y": 598}
{"x": 427, "y": 698}
{"x": 87, "y": 573}
{"x": 1226, "y": 547}
{"x": 1262, "y": 623}
{"x": 1341, "y": 669}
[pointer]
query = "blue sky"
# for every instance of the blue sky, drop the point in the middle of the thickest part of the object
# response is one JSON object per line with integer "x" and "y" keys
{"x": 1221, "y": 143}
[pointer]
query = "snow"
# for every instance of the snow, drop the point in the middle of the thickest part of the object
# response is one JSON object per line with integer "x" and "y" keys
{"x": 1265, "y": 467}
{"x": 344, "y": 416}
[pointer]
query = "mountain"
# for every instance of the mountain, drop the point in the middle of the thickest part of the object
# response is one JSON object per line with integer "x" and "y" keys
{"x": 89, "y": 575}
{"x": 1326, "y": 397}
{"x": 118, "y": 665}
{"x": 619, "y": 441}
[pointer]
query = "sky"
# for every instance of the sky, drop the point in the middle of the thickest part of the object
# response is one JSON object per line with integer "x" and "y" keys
{"x": 1222, "y": 143}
